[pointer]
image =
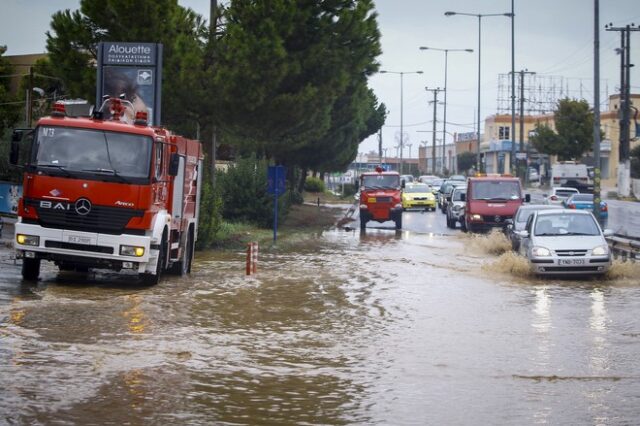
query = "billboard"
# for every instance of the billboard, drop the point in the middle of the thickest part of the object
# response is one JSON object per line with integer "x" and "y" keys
{"x": 133, "y": 70}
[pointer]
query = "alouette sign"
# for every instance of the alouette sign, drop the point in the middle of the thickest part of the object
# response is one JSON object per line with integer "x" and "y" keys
{"x": 129, "y": 54}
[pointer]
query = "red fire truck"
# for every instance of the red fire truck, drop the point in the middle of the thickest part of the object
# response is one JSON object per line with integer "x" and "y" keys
{"x": 380, "y": 197}
{"x": 491, "y": 200}
{"x": 106, "y": 194}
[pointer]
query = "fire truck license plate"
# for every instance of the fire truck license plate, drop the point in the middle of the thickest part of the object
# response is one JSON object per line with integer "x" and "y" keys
{"x": 78, "y": 239}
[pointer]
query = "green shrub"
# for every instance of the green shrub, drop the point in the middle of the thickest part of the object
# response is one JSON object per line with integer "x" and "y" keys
{"x": 312, "y": 184}
{"x": 349, "y": 189}
{"x": 243, "y": 188}
{"x": 210, "y": 220}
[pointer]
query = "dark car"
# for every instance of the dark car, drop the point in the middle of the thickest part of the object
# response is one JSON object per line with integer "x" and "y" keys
{"x": 520, "y": 221}
{"x": 445, "y": 191}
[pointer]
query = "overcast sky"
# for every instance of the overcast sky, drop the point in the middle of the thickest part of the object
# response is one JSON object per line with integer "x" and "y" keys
{"x": 553, "y": 38}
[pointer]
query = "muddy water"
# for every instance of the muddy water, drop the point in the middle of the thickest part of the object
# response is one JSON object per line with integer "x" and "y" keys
{"x": 379, "y": 328}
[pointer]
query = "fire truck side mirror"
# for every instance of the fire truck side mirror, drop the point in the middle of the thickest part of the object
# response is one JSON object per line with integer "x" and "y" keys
{"x": 14, "y": 155}
{"x": 463, "y": 197}
{"x": 174, "y": 164}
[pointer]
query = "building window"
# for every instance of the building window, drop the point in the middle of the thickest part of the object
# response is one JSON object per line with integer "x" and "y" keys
{"x": 503, "y": 133}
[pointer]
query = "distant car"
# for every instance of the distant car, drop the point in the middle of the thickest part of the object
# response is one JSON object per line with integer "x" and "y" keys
{"x": 585, "y": 202}
{"x": 457, "y": 177}
{"x": 455, "y": 208}
{"x": 406, "y": 178}
{"x": 533, "y": 175}
{"x": 435, "y": 185}
{"x": 520, "y": 220}
{"x": 427, "y": 179}
{"x": 563, "y": 241}
{"x": 445, "y": 192}
{"x": 558, "y": 194}
{"x": 418, "y": 195}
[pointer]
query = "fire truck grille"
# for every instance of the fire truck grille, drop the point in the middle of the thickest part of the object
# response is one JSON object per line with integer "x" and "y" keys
{"x": 497, "y": 219}
{"x": 101, "y": 219}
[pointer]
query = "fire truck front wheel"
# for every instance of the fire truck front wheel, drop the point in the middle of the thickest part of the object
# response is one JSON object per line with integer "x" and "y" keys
{"x": 153, "y": 279}
{"x": 30, "y": 269}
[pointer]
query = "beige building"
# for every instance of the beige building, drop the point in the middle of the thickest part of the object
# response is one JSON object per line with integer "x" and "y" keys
{"x": 497, "y": 138}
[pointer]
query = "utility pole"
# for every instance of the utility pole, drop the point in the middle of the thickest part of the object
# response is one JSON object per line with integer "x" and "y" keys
{"x": 213, "y": 17}
{"x": 624, "y": 167}
{"x": 522, "y": 74}
{"x": 435, "y": 107}
{"x": 30, "y": 99}
{"x": 380, "y": 144}
{"x": 596, "y": 112}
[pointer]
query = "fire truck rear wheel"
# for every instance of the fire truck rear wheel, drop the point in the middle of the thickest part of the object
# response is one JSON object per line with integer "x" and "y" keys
{"x": 30, "y": 269}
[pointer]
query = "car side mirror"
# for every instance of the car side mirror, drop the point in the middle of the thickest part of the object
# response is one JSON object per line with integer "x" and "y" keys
{"x": 523, "y": 234}
{"x": 509, "y": 223}
{"x": 607, "y": 233}
{"x": 403, "y": 184}
{"x": 527, "y": 198}
{"x": 449, "y": 198}
{"x": 174, "y": 164}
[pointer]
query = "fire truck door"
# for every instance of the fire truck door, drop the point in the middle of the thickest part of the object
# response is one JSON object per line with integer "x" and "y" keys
{"x": 178, "y": 192}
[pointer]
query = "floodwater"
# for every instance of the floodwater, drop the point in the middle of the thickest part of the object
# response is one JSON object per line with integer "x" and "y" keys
{"x": 385, "y": 327}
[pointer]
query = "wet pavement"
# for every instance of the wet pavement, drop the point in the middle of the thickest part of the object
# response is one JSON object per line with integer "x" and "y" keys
{"x": 422, "y": 326}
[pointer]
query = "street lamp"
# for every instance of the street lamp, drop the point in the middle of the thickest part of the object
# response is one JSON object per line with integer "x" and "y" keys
{"x": 402, "y": 73}
{"x": 446, "y": 55}
{"x": 479, "y": 16}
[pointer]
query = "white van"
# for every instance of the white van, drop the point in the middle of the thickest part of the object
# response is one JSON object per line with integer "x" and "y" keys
{"x": 569, "y": 172}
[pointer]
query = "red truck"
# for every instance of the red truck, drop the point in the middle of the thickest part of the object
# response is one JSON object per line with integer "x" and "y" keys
{"x": 491, "y": 200}
{"x": 106, "y": 194}
{"x": 380, "y": 197}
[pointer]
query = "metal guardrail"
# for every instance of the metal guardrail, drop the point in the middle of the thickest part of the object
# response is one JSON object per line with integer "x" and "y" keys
{"x": 625, "y": 248}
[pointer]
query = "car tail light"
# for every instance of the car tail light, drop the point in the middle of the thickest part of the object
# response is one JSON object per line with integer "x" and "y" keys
{"x": 571, "y": 206}
{"x": 604, "y": 208}
{"x": 553, "y": 198}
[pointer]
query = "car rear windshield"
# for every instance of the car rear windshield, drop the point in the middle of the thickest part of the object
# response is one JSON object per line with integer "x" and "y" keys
{"x": 565, "y": 192}
{"x": 496, "y": 190}
{"x": 381, "y": 181}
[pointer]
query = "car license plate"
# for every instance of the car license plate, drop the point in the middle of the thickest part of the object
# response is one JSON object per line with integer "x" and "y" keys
{"x": 571, "y": 261}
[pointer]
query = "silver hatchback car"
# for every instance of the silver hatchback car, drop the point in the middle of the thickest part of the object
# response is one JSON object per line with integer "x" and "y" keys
{"x": 565, "y": 242}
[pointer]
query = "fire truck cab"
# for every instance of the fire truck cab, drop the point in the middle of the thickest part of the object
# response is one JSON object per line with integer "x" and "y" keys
{"x": 106, "y": 194}
{"x": 491, "y": 200}
{"x": 380, "y": 197}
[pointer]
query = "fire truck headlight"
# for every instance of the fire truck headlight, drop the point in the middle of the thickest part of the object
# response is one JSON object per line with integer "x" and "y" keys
{"x": 131, "y": 251}
{"x": 28, "y": 240}
{"x": 476, "y": 217}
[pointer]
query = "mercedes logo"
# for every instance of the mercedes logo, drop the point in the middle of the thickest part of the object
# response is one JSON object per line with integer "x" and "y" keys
{"x": 498, "y": 219}
{"x": 83, "y": 206}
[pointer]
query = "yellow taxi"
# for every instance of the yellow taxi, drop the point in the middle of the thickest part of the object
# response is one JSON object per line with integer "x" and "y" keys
{"x": 418, "y": 195}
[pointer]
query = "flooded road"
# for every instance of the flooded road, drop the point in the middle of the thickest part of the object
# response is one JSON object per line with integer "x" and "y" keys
{"x": 422, "y": 326}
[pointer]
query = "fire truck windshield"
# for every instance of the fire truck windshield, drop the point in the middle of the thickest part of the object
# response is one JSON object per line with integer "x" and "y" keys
{"x": 380, "y": 181}
{"x": 69, "y": 150}
{"x": 496, "y": 190}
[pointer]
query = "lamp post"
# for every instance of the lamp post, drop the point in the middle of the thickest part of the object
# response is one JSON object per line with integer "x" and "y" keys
{"x": 444, "y": 120}
{"x": 402, "y": 73}
{"x": 479, "y": 16}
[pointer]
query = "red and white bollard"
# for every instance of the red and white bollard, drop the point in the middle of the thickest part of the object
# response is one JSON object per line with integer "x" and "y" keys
{"x": 252, "y": 258}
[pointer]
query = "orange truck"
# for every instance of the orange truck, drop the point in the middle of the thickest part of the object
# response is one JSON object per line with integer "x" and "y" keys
{"x": 380, "y": 197}
{"x": 491, "y": 200}
{"x": 106, "y": 194}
